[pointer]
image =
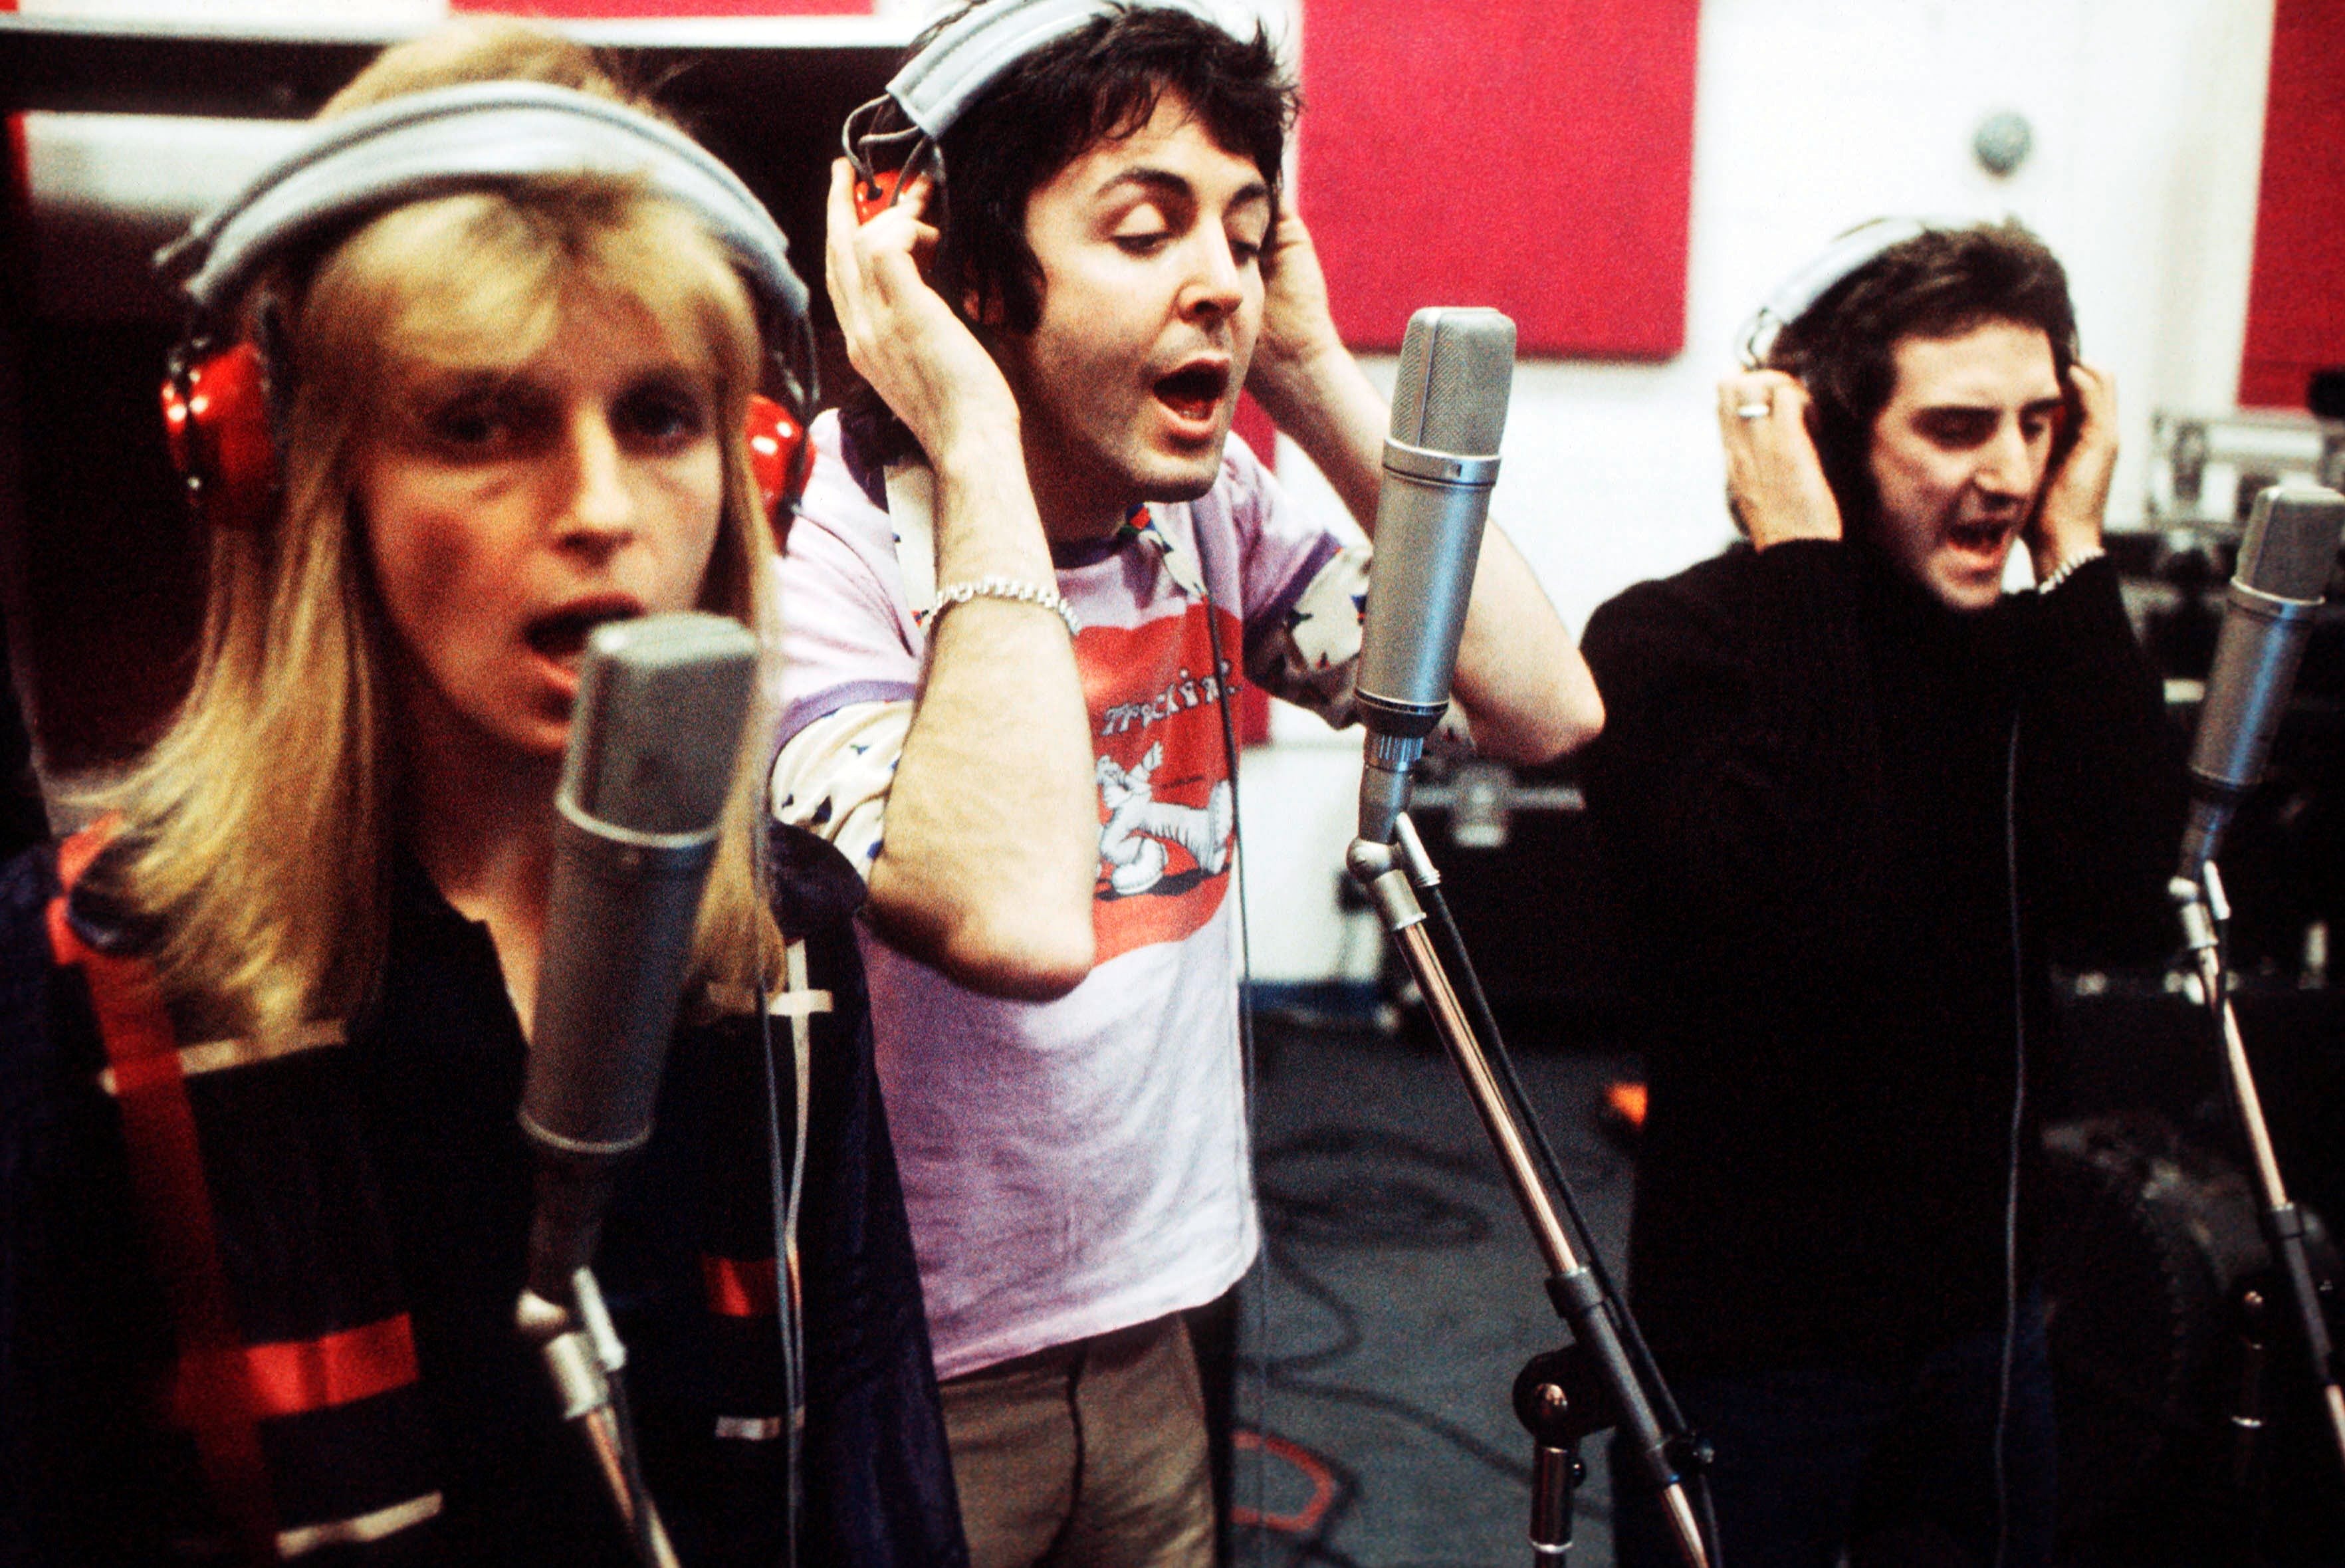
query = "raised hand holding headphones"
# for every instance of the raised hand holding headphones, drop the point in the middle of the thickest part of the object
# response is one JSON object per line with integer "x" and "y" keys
{"x": 905, "y": 337}
{"x": 896, "y": 135}
{"x": 1776, "y": 489}
{"x": 2066, "y": 529}
{"x": 1827, "y": 345}
{"x": 1775, "y": 484}
{"x": 901, "y": 335}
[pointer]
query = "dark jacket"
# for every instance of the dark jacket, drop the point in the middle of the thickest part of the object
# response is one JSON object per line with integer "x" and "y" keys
{"x": 1851, "y": 830}
{"x": 378, "y": 1192}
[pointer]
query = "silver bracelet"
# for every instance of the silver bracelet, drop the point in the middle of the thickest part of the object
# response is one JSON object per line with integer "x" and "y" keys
{"x": 993, "y": 587}
{"x": 2060, "y": 573}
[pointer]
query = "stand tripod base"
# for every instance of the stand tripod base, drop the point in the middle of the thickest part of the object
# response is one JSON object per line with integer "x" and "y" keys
{"x": 1391, "y": 877}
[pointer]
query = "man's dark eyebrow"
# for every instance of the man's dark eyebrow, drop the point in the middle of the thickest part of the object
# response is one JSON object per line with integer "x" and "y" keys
{"x": 1164, "y": 182}
{"x": 2035, "y": 405}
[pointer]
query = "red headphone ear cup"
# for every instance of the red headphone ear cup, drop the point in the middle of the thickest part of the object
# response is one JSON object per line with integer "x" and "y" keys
{"x": 876, "y": 194}
{"x": 216, "y": 418}
{"x": 780, "y": 457}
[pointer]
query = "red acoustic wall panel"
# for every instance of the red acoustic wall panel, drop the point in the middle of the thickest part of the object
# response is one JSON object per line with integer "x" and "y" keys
{"x": 1534, "y": 156}
{"x": 2296, "y": 295}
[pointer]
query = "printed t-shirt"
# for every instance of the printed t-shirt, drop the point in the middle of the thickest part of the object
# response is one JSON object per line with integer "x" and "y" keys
{"x": 1077, "y": 1166}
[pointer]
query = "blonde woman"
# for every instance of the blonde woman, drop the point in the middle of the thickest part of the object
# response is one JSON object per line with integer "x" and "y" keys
{"x": 263, "y": 1198}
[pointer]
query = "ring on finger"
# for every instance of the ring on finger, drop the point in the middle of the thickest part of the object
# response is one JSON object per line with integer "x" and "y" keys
{"x": 1757, "y": 408}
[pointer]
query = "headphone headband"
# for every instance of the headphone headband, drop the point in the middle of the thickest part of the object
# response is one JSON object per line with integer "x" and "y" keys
{"x": 446, "y": 140}
{"x": 1794, "y": 297}
{"x": 935, "y": 87}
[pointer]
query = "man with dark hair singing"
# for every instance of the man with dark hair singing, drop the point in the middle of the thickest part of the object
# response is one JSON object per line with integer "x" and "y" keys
{"x": 1027, "y": 569}
{"x": 1857, "y": 800}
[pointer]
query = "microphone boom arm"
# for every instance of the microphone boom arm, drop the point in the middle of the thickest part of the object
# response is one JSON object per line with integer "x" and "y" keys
{"x": 1392, "y": 875}
{"x": 653, "y": 733}
{"x": 2198, "y": 903}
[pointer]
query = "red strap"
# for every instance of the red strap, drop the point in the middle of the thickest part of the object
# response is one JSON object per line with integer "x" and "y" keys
{"x": 740, "y": 1288}
{"x": 75, "y": 854}
{"x": 297, "y": 1375}
{"x": 214, "y": 1394}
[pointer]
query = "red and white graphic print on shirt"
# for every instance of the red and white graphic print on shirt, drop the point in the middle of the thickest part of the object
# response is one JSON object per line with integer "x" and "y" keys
{"x": 1167, "y": 806}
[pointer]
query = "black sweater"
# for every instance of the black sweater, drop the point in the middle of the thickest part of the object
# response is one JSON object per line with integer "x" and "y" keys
{"x": 389, "y": 1174}
{"x": 1808, "y": 798}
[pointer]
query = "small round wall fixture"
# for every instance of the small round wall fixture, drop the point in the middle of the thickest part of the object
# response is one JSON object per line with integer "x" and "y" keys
{"x": 2002, "y": 142}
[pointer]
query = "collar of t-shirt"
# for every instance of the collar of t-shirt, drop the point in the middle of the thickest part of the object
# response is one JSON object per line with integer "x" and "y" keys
{"x": 911, "y": 516}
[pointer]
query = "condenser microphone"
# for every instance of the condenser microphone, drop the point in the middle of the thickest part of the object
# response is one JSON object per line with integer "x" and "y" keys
{"x": 1449, "y": 408}
{"x": 657, "y": 724}
{"x": 2286, "y": 559}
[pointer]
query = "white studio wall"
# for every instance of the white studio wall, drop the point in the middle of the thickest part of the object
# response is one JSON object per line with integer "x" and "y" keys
{"x": 344, "y": 15}
{"x": 2147, "y": 122}
{"x": 1811, "y": 116}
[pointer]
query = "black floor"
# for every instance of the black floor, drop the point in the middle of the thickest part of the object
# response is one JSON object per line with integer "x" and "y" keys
{"x": 1399, "y": 1296}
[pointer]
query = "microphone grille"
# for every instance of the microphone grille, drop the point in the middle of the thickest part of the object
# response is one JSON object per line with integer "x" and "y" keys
{"x": 657, "y": 724}
{"x": 2290, "y": 550}
{"x": 1456, "y": 368}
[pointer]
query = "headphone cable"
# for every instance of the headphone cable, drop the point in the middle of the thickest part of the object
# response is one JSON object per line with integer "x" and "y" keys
{"x": 2010, "y": 1180}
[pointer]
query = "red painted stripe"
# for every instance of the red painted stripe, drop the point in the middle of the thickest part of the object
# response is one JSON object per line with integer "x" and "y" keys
{"x": 740, "y": 1288}
{"x": 294, "y": 1376}
{"x": 1254, "y": 423}
{"x": 1253, "y": 703}
{"x": 672, "y": 8}
{"x": 214, "y": 1394}
{"x": 20, "y": 161}
{"x": 2296, "y": 294}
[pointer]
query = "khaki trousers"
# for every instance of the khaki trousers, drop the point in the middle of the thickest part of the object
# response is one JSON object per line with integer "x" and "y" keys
{"x": 1088, "y": 1455}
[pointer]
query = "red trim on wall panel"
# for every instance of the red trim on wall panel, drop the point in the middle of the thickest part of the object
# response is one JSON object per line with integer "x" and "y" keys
{"x": 1252, "y": 715}
{"x": 16, "y": 209}
{"x": 1255, "y": 425}
{"x": 20, "y": 163}
{"x": 1536, "y": 155}
{"x": 1253, "y": 703}
{"x": 2296, "y": 294}
{"x": 665, "y": 8}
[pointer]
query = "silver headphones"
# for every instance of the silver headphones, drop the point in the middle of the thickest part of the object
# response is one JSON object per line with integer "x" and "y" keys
{"x": 936, "y": 87}
{"x": 478, "y": 134}
{"x": 1792, "y": 297}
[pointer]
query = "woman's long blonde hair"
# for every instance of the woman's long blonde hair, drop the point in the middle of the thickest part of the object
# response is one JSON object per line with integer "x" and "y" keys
{"x": 258, "y": 834}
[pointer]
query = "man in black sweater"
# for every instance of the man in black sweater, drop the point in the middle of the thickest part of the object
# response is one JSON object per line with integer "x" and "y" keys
{"x": 1856, "y": 802}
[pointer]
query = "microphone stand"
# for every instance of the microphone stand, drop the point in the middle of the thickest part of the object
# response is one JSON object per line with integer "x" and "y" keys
{"x": 2200, "y": 903}
{"x": 582, "y": 1351}
{"x": 1591, "y": 1383}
